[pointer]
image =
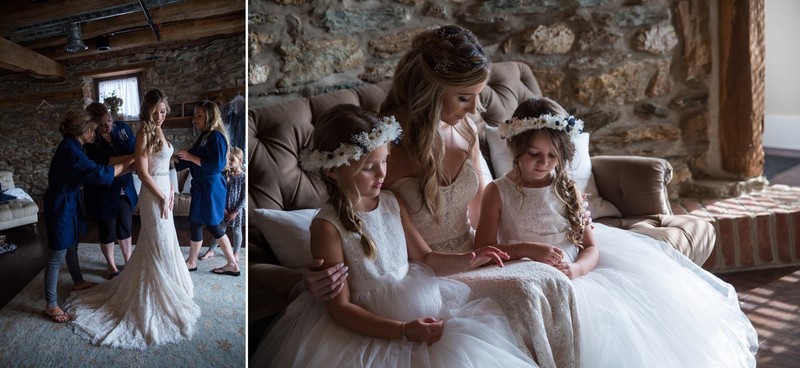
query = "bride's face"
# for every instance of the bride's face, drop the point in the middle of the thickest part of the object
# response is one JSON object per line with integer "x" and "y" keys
{"x": 160, "y": 113}
{"x": 458, "y": 102}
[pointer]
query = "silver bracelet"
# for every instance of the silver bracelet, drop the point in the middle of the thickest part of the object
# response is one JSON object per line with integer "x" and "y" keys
{"x": 403, "y": 331}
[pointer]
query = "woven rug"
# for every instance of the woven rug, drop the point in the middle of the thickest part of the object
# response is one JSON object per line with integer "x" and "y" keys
{"x": 29, "y": 339}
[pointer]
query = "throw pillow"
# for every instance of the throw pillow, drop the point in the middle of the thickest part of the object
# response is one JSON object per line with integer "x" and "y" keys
{"x": 287, "y": 233}
{"x": 580, "y": 170}
{"x": 187, "y": 185}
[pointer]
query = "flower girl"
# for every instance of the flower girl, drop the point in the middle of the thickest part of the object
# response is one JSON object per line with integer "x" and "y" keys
{"x": 393, "y": 311}
{"x": 640, "y": 302}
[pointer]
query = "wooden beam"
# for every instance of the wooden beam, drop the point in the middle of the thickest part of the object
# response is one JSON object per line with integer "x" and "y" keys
{"x": 741, "y": 87}
{"x": 19, "y": 59}
{"x": 182, "y": 31}
{"x": 116, "y": 70}
{"x": 71, "y": 94}
{"x": 15, "y": 14}
{"x": 189, "y": 10}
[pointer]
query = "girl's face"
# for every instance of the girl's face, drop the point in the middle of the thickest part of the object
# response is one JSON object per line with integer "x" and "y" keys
{"x": 234, "y": 162}
{"x": 160, "y": 113}
{"x": 105, "y": 124}
{"x": 200, "y": 118}
{"x": 458, "y": 102}
{"x": 539, "y": 160}
{"x": 364, "y": 181}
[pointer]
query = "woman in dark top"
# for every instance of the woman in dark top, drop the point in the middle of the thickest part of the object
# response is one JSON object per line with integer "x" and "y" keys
{"x": 69, "y": 169}
{"x": 111, "y": 206}
{"x": 206, "y": 160}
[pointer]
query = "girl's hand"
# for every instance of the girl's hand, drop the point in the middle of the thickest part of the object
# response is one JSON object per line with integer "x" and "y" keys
{"x": 544, "y": 253}
{"x": 427, "y": 330}
{"x": 324, "y": 284}
{"x": 572, "y": 270}
{"x": 487, "y": 254}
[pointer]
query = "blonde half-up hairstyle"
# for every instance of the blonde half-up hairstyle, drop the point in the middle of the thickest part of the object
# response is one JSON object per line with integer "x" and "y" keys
{"x": 565, "y": 187}
{"x": 213, "y": 119}
{"x": 76, "y": 122}
{"x": 150, "y": 139}
{"x": 336, "y": 126}
{"x": 444, "y": 57}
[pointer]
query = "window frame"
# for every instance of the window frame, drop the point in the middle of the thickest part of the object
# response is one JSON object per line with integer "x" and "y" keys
{"x": 122, "y": 74}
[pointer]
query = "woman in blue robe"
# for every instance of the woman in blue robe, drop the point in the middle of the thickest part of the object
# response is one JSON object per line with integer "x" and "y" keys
{"x": 69, "y": 169}
{"x": 111, "y": 206}
{"x": 206, "y": 160}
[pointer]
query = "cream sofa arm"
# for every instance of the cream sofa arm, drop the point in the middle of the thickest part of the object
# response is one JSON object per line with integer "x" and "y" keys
{"x": 636, "y": 185}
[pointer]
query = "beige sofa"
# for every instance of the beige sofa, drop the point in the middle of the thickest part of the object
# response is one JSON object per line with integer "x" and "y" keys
{"x": 637, "y": 186}
{"x": 17, "y": 212}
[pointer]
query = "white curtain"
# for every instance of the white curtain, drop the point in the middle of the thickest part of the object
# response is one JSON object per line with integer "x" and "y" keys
{"x": 125, "y": 88}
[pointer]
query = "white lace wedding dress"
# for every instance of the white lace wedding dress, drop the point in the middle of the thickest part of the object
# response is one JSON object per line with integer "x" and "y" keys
{"x": 476, "y": 333}
{"x": 150, "y": 302}
{"x": 645, "y": 304}
{"x": 537, "y": 298}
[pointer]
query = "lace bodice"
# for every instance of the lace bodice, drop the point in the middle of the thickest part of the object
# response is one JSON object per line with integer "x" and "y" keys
{"x": 158, "y": 162}
{"x": 384, "y": 226}
{"x": 451, "y": 231}
{"x": 532, "y": 215}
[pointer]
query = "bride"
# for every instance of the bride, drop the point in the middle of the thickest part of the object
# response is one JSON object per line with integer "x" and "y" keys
{"x": 151, "y": 302}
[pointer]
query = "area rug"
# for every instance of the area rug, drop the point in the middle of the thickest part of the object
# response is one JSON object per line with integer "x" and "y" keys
{"x": 29, "y": 339}
{"x": 774, "y": 165}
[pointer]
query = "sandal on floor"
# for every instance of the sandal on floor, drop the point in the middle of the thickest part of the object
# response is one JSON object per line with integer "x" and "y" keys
{"x": 221, "y": 271}
{"x": 57, "y": 318}
{"x": 7, "y": 247}
{"x": 112, "y": 275}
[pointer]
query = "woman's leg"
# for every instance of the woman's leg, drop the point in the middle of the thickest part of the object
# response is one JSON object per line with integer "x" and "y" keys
{"x": 195, "y": 242}
{"x": 51, "y": 277}
{"x": 106, "y": 230}
{"x": 212, "y": 248}
{"x": 74, "y": 267}
{"x": 124, "y": 228}
{"x": 232, "y": 264}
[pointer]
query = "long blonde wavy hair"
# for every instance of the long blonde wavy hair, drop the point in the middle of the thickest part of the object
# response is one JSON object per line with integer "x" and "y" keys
{"x": 445, "y": 57}
{"x": 565, "y": 187}
{"x": 213, "y": 119}
{"x": 149, "y": 128}
{"x": 336, "y": 126}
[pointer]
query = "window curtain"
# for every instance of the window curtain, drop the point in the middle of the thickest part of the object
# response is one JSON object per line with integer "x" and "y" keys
{"x": 125, "y": 88}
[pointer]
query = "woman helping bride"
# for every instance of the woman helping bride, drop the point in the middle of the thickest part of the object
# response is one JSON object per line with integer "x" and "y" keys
{"x": 151, "y": 302}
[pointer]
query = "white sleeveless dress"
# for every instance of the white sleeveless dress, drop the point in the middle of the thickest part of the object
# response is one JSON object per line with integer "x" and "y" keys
{"x": 476, "y": 333}
{"x": 537, "y": 298}
{"x": 150, "y": 302}
{"x": 645, "y": 304}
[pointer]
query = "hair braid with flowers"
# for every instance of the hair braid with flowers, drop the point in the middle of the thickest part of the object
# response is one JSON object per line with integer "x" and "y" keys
{"x": 565, "y": 187}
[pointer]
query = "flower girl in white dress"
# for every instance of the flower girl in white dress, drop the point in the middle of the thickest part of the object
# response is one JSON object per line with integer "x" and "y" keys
{"x": 640, "y": 302}
{"x": 393, "y": 311}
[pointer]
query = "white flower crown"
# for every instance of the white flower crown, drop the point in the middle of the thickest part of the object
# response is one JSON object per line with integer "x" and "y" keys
{"x": 515, "y": 126}
{"x": 387, "y": 130}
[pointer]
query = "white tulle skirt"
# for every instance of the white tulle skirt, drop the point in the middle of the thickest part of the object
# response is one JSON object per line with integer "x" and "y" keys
{"x": 476, "y": 333}
{"x": 646, "y": 305}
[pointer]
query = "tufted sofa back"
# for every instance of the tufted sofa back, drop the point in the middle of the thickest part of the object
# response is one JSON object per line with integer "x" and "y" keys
{"x": 278, "y": 132}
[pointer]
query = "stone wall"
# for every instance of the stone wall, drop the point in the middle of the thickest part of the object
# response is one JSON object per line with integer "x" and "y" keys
{"x": 637, "y": 72}
{"x": 29, "y": 129}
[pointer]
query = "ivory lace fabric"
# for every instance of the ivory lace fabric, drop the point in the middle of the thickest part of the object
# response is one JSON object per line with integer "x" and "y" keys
{"x": 537, "y": 299}
{"x": 150, "y": 302}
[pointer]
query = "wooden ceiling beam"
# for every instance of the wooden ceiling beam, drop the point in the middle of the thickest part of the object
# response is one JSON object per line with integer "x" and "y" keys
{"x": 168, "y": 14}
{"x": 14, "y": 14}
{"x": 19, "y": 59}
{"x": 181, "y": 31}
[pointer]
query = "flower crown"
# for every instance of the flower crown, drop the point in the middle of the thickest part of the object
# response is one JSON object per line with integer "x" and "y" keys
{"x": 514, "y": 126}
{"x": 387, "y": 130}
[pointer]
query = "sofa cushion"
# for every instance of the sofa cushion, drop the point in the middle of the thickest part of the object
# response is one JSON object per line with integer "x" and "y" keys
{"x": 287, "y": 234}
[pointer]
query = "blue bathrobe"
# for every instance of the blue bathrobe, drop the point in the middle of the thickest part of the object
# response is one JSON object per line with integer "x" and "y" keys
{"x": 208, "y": 183}
{"x": 101, "y": 201}
{"x": 69, "y": 169}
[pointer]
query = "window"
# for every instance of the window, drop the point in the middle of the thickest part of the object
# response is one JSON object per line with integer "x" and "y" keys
{"x": 126, "y": 89}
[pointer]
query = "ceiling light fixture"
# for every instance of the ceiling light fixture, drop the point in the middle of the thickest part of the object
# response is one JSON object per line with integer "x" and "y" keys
{"x": 101, "y": 42}
{"x": 74, "y": 42}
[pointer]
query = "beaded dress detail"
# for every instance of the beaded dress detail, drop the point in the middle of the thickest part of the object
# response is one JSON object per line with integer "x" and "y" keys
{"x": 150, "y": 302}
{"x": 645, "y": 304}
{"x": 476, "y": 333}
{"x": 537, "y": 298}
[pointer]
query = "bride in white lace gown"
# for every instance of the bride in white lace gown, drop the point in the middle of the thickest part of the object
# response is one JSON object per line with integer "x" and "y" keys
{"x": 150, "y": 302}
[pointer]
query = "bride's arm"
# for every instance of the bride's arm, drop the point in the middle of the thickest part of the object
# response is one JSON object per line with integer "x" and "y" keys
{"x": 144, "y": 173}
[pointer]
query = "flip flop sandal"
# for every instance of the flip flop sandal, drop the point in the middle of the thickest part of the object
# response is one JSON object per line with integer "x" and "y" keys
{"x": 55, "y": 317}
{"x": 7, "y": 247}
{"x": 220, "y": 271}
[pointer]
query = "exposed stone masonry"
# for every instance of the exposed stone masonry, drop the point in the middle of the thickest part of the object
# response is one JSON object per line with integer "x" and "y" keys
{"x": 636, "y": 71}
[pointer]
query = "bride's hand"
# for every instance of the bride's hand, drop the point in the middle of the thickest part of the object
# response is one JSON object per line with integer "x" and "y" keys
{"x": 171, "y": 200}
{"x": 487, "y": 254}
{"x": 165, "y": 207}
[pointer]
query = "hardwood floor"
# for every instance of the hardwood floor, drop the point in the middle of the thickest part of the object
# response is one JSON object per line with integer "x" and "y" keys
{"x": 770, "y": 298}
